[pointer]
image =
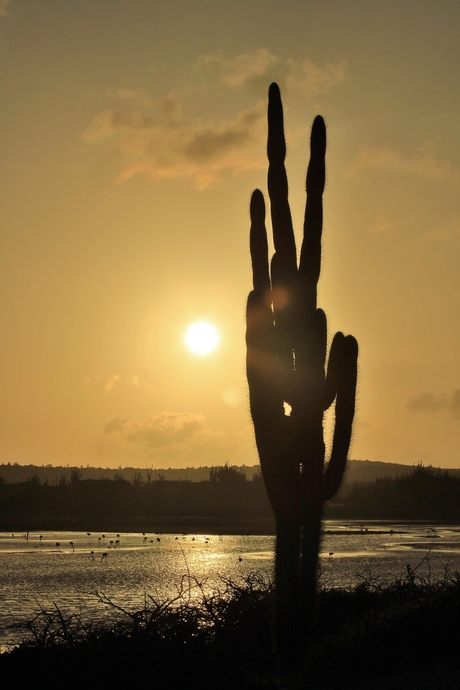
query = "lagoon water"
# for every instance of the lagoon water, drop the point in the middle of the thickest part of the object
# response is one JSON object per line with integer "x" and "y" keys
{"x": 79, "y": 572}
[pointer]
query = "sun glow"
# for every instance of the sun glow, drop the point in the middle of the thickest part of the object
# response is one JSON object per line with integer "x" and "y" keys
{"x": 202, "y": 338}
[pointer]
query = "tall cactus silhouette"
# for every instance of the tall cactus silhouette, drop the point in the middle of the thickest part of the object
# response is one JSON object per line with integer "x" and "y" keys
{"x": 286, "y": 370}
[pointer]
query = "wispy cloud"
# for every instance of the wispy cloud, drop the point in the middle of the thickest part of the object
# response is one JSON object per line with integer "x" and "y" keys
{"x": 261, "y": 67}
{"x": 165, "y": 144}
{"x": 120, "y": 424}
{"x": 4, "y": 8}
{"x": 380, "y": 224}
{"x": 110, "y": 382}
{"x": 164, "y": 139}
{"x": 428, "y": 402}
{"x": 164, "y": 429}
{"x": 173, "y": 439}
{"x": 5, "y": 11}
{"x": 445, "y": 231}
{"x": 424, "y": 164}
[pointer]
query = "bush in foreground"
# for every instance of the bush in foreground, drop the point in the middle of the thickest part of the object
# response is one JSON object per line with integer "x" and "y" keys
{"x": 223, "y": 639}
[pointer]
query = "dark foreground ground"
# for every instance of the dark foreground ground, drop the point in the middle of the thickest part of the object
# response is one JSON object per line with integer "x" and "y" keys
{"x": 399, "y": 636}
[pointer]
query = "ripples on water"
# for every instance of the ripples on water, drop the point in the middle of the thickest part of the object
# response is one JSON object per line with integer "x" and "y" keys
{"x": 68, "y": 568}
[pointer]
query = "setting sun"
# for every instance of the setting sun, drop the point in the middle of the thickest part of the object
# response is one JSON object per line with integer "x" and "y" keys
{"x": 202, "y": 338}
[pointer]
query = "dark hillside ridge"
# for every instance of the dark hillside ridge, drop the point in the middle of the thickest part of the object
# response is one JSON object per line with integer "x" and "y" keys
{"x": 225, "y": 503}
{"x": 357, "y": 471}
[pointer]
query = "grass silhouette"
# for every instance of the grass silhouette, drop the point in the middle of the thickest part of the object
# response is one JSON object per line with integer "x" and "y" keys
{"x": 370, "y": 637}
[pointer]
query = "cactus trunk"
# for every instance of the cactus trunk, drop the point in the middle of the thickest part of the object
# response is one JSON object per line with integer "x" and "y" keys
{"x": 287, "y": 365}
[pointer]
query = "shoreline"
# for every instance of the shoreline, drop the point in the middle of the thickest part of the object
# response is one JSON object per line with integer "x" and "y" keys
{"x": 166, "y": 525}
{"x": 207, "y": 525}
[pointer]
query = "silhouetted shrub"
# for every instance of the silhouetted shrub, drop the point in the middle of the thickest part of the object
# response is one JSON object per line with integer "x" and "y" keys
{"x": 223, "y": 639}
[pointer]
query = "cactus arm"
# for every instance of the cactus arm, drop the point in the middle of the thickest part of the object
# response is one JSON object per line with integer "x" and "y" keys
{"x": 344, "y": 414}
{"x": 310, "y": 255}
{"x": 311, "y": 338}
{"x": 284, "y": 261}
{"x": 283, "y": 233}
{"x": 262, "y": 365}
{"x": 333, "y": 370}
{"x": 261, "y": 362}
{"x": 259, "y": 245}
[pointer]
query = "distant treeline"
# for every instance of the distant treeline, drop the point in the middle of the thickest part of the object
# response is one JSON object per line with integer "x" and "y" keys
{"x": 13, "y": 473}
{"x": 425, "y": 493}
{"x": 225, "y": 501}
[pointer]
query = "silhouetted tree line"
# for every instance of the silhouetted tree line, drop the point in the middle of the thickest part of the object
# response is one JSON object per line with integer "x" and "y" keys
{"x": 425, "y": 493}
{"x": 14, "y": 473}
{"x": 226, "y": 495}
{"x": 356, "y": 471}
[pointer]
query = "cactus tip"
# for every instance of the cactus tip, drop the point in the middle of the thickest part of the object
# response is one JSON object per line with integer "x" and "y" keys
{"x": 257, "y": 205}
{"x": 318, "y": 136}
{"x": 274, "y": 90}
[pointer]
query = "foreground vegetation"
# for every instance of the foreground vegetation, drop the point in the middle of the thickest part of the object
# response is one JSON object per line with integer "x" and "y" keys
{"x": 377, "y": 636}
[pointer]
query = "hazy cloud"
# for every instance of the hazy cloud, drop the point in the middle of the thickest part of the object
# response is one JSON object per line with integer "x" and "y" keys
{"x": 174, "y": 439}
{"x": 4, "y": 8}
{"x": 164, "y": 429}
{"x": 165, "y": 144}
{"x": 262, "y": 67}
{"x": 4, "y": 12}
{"x": 164, "y": 139}
{"x": 381, "y": 224}
{"x": 136, "y": 96}
{"x": 118, "y": 424}
{"x": 428, "y": 402}
{"x": 424, "y": 164}
{"x": 444, "y": 231}
{"x": 110, "y": 382}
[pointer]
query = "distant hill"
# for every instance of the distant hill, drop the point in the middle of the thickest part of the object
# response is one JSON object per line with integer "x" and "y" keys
{"x": 370, "y": 470}
{"x": 357, "y": 471}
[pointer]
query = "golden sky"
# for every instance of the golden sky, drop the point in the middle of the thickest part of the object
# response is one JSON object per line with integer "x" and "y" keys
{"x": 132, "y": 133}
